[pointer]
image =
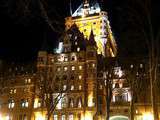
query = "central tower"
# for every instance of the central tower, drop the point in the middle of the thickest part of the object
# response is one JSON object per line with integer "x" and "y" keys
{"x": 89, "y": 17}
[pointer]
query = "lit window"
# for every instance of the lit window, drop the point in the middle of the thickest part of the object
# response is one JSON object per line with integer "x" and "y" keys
{"x": 131, "y": 66}
{"x": 71, "y": 117}
{"x": 55, "y": 117}
{"x": 58, "y": 69}
{"x": 76, "y": 43}
{"x": 80, "y": 87}
{"x": 93, "y": 65}
{"x": 78, "y": 49}
{"x": 24, "y": 103}
{"x": 64, "y": 102}
{"x": 66, "y": 59}
{"x": 80, "y": 77}
{"x": 13, "y": 91}
{"x": 73, "y": 67}
{"x": 63, "y": 117}
{"x": 75, "y": 37}
{"x": 64, "y": 87}
{"x": 11, "y": 103}
{"x": 72, "y": 87}
{"x": 65, "y": 68}
{"x": 79, "y": 103}
{"x": 27, "y": 80}
{"x": 80, "y": 67}
{"x": 100, "y": 87}
{"x": 37, "y": 103}
{"x": 141, "y": 65}
{"x": 52, "y": 60}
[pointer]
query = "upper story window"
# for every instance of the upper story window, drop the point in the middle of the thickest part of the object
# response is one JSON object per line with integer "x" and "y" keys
{"x": 65, "y": 59}
{"x": 80, "y": 67}
{"x": 72, "y": 87}
{"x": 13, "y": 91}
{"x": 73, "y": 68}
{"x": 24, "y": 103}
{"x": 70, "y": 117}
{"x": 78, "y": 49}
{"x": 80, "y": 77}
{"x": 55, "y": 117}
{"x": 37, "y": 103}
{"x": 11, "y": 103}
{"x": 63, "y": 117}
{"x": 65, "y": 68}
{"x": 80, "y": 87}
{"x": 27, "y": 80}
{"x": 58, "y": 69}
{"x": 64, "y": 87}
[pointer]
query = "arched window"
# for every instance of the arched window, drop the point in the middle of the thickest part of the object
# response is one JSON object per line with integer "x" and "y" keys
{"x": 79, "y": 102}
{"x": 71, "y": 102}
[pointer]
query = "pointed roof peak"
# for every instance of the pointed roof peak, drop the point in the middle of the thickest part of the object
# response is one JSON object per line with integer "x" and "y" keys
{"x": 91, "y": 38}
{"x": 92, "y": 7}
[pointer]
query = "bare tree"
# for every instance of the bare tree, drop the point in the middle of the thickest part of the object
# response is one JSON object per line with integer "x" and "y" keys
{"x": 140, "y": 14}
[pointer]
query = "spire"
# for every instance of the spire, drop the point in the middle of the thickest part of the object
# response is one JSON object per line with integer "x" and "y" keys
{"x": 91, "y": 39}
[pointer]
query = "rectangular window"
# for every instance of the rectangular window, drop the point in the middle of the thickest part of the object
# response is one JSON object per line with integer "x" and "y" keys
{"x": 55, "y": 117}
{"x": 63, "y": 117}
{"x": 80, "y": 67}
{"x": 65, "y": 68}
{"x": 73, "y": 68}
{"x": 71, "y": 117}
{"x": 65, "y": 59}
{"x": 11, "y": 103}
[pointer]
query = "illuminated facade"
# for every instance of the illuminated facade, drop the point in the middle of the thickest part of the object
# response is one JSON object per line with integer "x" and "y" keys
{"x": 73, "y": 73}
{"x": 90, "y": 17}
{"x": 77, "y": 82}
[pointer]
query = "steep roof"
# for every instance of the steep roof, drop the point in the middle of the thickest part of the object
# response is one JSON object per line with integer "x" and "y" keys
{"x": 94, "y": 7}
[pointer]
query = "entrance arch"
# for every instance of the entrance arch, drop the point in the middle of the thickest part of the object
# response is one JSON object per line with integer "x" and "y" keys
{"x": 118, "y": 117}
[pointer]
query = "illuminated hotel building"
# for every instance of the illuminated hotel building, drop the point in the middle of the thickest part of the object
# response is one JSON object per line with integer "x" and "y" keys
{"x": 79, "y": 80}
{"x": 90, "y": 17}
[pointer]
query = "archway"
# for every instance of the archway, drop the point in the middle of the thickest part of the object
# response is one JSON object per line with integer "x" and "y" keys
{"x": 119, "y": 117}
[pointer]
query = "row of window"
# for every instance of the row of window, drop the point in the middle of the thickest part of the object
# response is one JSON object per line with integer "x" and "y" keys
{"x": 65, "y": 68}
{"x": 65, "y": 117}
{"x": 14, "y": 90}
{"x": 24, "y": 103}
{"x": 62, "y": 102}
{"x": 71, "y": 87}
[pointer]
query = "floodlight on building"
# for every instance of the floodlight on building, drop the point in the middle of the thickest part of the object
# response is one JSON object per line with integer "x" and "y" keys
{"x": 148, "y": 116}
{"x": 39, "y": 116}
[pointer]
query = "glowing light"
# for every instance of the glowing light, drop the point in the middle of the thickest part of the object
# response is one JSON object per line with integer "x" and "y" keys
{"x": 0, "y": 117}
{"x": 60, "y": 47}
{"x": 87, "y": 116}
{"x": 36, "y": 103}
{"x": 118, "y": 117}
{"x": 90, "y": 100}
{"x": 7, "y": 117}
{"x": 147, "y": 116}
{"x": 39, "y": 116}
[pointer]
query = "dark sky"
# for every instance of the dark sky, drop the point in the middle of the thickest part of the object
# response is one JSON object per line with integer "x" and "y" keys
{"x": 25, "y": 30}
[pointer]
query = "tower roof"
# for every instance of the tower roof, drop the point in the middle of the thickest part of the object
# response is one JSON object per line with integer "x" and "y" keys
{"x": 92, "y": 41}
{"x": 93, "y": 7}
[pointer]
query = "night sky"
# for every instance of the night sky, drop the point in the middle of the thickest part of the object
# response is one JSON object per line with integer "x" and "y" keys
{"x": 25, "y": 30}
